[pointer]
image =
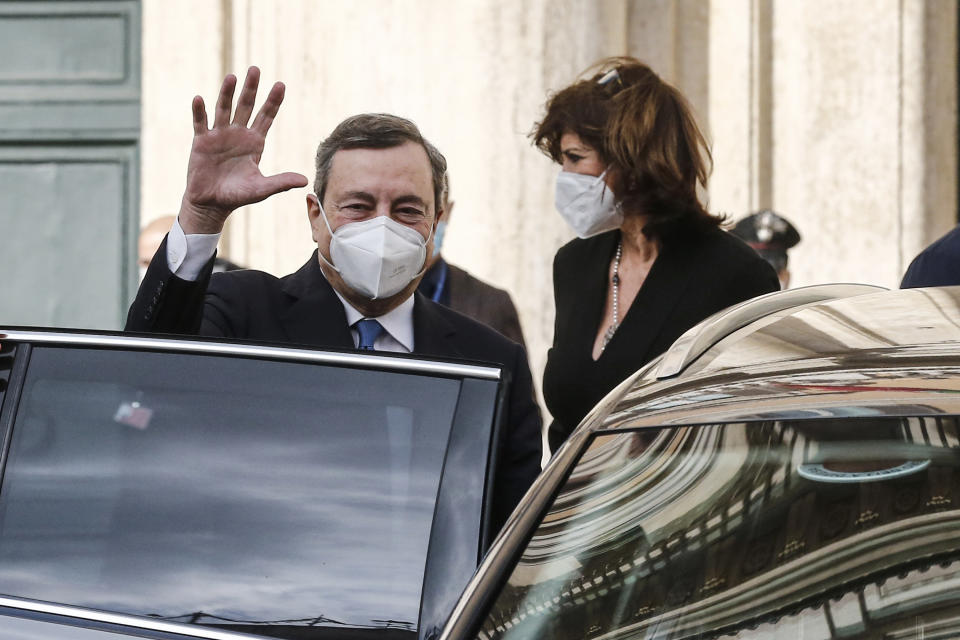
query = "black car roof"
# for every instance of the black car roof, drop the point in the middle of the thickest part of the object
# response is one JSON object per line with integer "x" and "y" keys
{"x": 833, "y": 356}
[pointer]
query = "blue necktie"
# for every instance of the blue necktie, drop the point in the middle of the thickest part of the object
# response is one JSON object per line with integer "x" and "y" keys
{"x": 369, "y": 330}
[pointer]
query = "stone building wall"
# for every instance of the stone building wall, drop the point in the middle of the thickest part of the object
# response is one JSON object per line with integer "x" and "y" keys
{"x": 842, "y": 116}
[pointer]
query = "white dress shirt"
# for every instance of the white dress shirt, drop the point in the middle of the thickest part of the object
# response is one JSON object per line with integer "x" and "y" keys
{"x": 187, "y": 254}
{"x": 397, "y": 324}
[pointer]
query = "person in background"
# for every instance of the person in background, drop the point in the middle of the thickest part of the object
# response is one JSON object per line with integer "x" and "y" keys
{"x": 455, "y": 288}
{"x": 650, "y": 262}
{"x": 153, "y": 233}
{"x": 770, "y": 235}
{"x": 936, "y": 266}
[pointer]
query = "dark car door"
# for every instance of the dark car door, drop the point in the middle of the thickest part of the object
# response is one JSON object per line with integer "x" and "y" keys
{"x": 270, "y": 491}
{"x": 807, "y": 527}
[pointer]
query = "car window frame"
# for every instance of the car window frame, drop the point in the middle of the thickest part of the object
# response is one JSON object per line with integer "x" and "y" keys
{"x": 478, "y": 418}
{"x": 91, "y": 624}
{"x": 10, "y": 396}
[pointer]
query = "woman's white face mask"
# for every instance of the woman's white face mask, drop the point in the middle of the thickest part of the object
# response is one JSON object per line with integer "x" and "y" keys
{"x": 587, "y": 204}
{"x": 377, "y": 257}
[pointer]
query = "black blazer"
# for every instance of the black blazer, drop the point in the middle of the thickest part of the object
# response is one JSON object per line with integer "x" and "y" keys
{"x": 302, "y": 308}
{"x": 481, "y": 301}
{"x": 691, "y": 279}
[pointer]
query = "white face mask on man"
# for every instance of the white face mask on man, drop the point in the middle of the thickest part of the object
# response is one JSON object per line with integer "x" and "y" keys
{"x": 377, "y": 257}
{"x": 587, "y": 204}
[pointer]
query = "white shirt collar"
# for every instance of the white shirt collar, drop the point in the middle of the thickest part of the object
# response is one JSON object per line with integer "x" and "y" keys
{"x": 398, "y": 322}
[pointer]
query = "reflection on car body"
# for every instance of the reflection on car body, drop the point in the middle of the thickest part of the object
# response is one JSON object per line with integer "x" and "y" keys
{"x": 791, "y": 469}
{"x": 149, "y": 483}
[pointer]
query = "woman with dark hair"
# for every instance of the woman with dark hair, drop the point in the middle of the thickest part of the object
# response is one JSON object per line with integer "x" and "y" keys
{"x": 650, "y": 261}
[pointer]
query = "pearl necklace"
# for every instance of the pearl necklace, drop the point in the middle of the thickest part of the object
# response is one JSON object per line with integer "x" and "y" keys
{"x": 612, "y": 329}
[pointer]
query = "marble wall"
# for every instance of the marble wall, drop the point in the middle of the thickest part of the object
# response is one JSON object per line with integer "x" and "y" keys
{"x": 842, "y": 116}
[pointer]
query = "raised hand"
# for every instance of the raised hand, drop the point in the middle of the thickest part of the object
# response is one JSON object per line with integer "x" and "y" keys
{"x": 224, "y": 172}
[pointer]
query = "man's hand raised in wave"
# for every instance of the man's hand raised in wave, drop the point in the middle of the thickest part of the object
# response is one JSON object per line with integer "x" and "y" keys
{"x": 224, "y": 173}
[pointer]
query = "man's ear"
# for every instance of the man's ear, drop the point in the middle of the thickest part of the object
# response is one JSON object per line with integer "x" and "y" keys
{"x": 313, "y": 215}
{"x": 443, "y": 214}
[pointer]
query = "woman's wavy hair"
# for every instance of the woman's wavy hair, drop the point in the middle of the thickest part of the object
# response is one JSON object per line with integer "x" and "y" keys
{"x": 645, "y": 130}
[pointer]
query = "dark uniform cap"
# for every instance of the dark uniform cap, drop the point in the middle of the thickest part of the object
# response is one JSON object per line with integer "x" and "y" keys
{"x": 770, "y": 234}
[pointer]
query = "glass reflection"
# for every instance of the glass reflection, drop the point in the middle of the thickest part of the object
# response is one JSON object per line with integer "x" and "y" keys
{"x": 817, "y": 529}
{"x": 926, "y": 318}
{"x": 224, "y": 491}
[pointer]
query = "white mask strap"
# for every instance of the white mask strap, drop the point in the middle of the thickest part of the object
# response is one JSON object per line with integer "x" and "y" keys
{"x": 606, "y": 188}
{"x": 425, "y": 260}
{"x": 326, "y": 222}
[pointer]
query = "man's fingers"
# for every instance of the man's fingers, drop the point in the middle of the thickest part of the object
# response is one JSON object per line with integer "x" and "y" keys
{"x": 248, "y": 96}
{"x": 199, "y": 116}
{"x": 284, "y": 182}
{"x": 269, "y": 109}
{"x": 265, "y": 187}
{"x": 221, "y": 115}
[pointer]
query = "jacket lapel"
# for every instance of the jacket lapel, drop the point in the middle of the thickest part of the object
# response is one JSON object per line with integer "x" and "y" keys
{"x": 315, "y": 315}
{"x": 433, "y": 334}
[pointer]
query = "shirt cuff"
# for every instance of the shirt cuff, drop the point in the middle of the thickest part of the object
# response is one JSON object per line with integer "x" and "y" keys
{"x": 187, "y": 254}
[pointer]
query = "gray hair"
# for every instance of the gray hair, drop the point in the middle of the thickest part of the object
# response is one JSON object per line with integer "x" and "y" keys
{"x": 377, "y": 131}
{"x": 445, "y": 194}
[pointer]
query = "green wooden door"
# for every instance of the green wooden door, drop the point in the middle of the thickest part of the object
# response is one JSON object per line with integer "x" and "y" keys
{"x": 69, "y": 161}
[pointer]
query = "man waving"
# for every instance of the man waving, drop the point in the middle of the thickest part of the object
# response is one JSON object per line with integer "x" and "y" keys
{"x": 373, "y": 215}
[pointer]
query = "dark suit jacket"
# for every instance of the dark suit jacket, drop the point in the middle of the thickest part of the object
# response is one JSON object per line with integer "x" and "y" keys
{"x": 936, "y": 266}
{"x": 691, "y": 279}
{"x": 476, "y": 299}
{"x": 302, "y": 308}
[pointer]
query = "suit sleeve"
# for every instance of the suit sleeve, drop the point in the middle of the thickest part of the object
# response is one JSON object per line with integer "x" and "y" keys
{"x": 556, "y": 433}
{"x": 521, "y": 449}
{"x": 166, "y": 303}
{"x": 557, "y": 300}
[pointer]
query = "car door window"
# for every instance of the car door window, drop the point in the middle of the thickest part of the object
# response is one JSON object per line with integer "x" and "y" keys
{"x": 7, "y": 353}
{"x": 258, "y": 495}
{"x": 808, "y": 528}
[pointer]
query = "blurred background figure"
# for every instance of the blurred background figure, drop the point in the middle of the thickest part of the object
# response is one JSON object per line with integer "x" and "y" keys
{"x": 936, "y": 266}
{"x": 650, "y": 261}
{"x": 771, "y": 235}
{"x": 152, "y": 234}
{"x": 453, "y": 287}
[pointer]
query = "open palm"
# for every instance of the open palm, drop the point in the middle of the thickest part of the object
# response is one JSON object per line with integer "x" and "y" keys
{"x": 224, "y": 172}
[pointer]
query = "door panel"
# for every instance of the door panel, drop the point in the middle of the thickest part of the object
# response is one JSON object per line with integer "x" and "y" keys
{"x": 69, "y": 151}
{"x": 75, "y": 213}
